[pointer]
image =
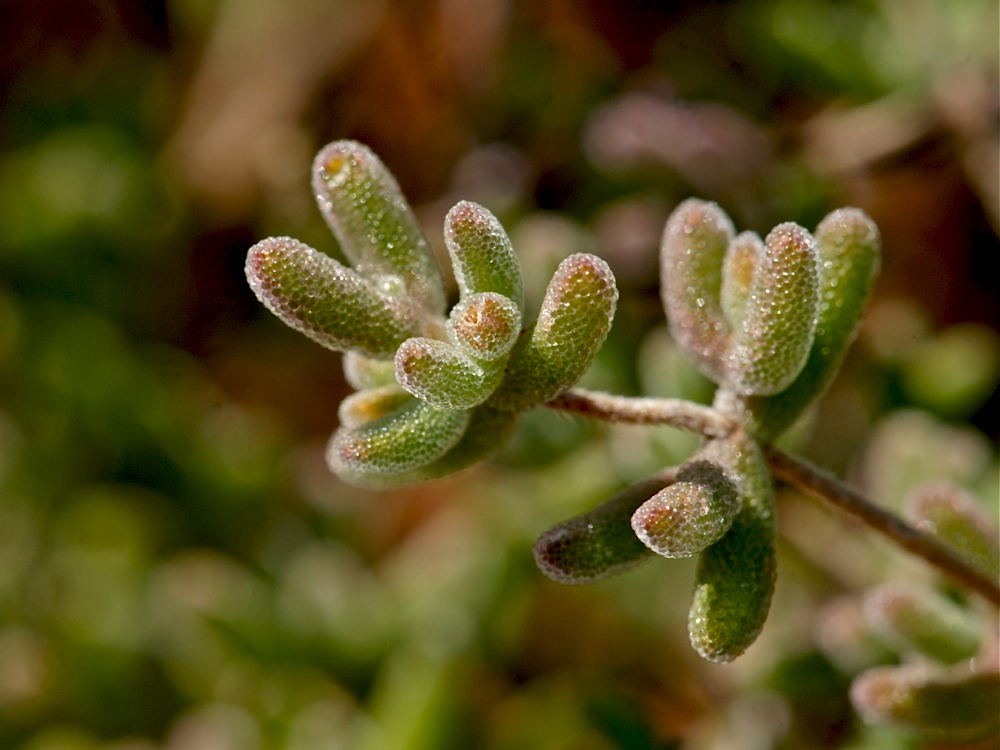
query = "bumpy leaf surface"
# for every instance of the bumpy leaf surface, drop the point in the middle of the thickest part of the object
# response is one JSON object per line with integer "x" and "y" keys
{"x": 909, "y": 617}
{"x": 440, "y": 374}
{"x": 597, "y": 544}
{"x": 849, "y": 251}
{"x": 574, "y": 320}
{"x": 373, "y": 223}
{"x": 959, "y": 707}
{"x": 485, "y": 325}
{"x": 487, "y": 432}
{"x": 481, "y": 254}
{"x": 739, "y": 264}
{"x": 691, "y": 258}
{"x": 412, "y": 436}
{"x": 735, "y": 576}
{"x": 689, "y": 515}
{"x": 328, "y": 302}
{"x": 771, "y": 346}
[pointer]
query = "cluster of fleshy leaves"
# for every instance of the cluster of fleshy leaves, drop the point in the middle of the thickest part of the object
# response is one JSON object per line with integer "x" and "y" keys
{"x": 437, "y": 390}
{"x": 923, "y": 659}
{"x": 768, "y": 320}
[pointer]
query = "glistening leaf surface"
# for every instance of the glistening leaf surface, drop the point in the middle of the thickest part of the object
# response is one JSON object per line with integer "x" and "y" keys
{"x": 328, "y": 302}
{"x": 375, "y": 226}
{"x": 735, "y": 576}
{"x": 849, "y": 252}
{"x": 691, "y": 258}
{"x": 597, "y": 544}
{"x": 574, "y": 320}
{"x": 689, "y": 515}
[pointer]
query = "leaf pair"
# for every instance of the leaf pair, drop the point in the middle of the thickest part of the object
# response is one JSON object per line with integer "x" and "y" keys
{"x": 767, "y": 320}
{"x": 720, "y": 506}
{"x": 436, "y": 393}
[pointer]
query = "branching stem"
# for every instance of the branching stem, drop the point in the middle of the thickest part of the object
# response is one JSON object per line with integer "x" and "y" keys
{"x": 794, "y": 471}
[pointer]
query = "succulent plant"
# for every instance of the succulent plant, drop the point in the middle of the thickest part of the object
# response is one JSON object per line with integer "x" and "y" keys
{"x": 768, "y": 320}
{"x": 437, "y": 391}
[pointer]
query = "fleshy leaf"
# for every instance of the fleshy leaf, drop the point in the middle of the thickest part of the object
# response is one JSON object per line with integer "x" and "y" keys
{"x": 738, "y": 266}
{"x": 772, "y": 345}
{"x": 485, "y": 325}
{"x": 958, "y": 707}
{"x": 959, "y": 521}
{"x": 735, "y": 576}
{"x": 440, "y": 374}
{"x": 487, "y": 432}
{"x": 375, "y": 226}
{"x": 574, "y": 320}
{"x": 363, "y": 372}
{"x": 694, "y": 245}
{"x": 849, "y": 252}
{"x": 694, "y": 512}
{"x": 414, "y": 435}
{"x": 328, "y": 302}
{"x": 908, "y": 617}
{"x": 370, "y": 404}
{"x": 597, "y": 544}
{"x": 481, "y": 254}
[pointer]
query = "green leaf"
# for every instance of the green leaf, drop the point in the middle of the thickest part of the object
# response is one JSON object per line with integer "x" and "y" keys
{"x": 485, "y": 326}
{"x": 375, "y": 226}
{"x": 848, "y": 244}
{"x": 440, "y": 374}
{"x": 771, "y": 346}
{"x": 371, "y": 404}
{"x": 738, "y": 267}
{"x": 689, "y": 515}
{"x": 329, "y": 303}
{"x": 481, "y": 254}
{"x": 694, "y": 245}
{"x": 908, "y": 617}
{"x": 959, "y": 521}
{"x": 413, "y": 435}
{"x": 575, "y": 317}
{"x": 957, "y": 707}
{"x": 363, "y": 372}
{"x": 735, "y": 576}
{"x": 597, "y": 544}
{"x": 487, "y": 432}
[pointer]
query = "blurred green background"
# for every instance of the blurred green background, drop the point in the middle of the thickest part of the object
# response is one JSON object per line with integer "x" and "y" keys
{"x": 179, "y": 570}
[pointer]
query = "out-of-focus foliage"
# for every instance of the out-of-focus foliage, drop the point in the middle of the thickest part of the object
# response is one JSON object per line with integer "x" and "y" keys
{"x": 177, "y": 567}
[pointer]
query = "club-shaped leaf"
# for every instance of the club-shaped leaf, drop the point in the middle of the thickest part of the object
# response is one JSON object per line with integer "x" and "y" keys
{"x": 370, "y": 404}
{"x": 481, "y": 254}
{"x": 485, "y": 326}
{"x": 574, "y": 320}
{"x": 376, "y": 229}
{"x": 694, "y": 245}
{"x": 957, "y": 707}
{"x": 849, "y": 252}
{"x": 960, "y": 522}
{"x": 907, "y": 617}
{"x": 771, "y": 346}
{"x": 414, "y": 435}
{"x": 735, "y": 576}
{"x": 440, "y": 374}
{"x": 738, "y": 267}
{"x": 689, "y": 515}
{"x": 597, "y": 544}
{"x": 328, "y": 302}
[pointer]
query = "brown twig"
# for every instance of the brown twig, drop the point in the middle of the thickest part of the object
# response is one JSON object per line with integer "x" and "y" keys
{"x": 794, "y": 471}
